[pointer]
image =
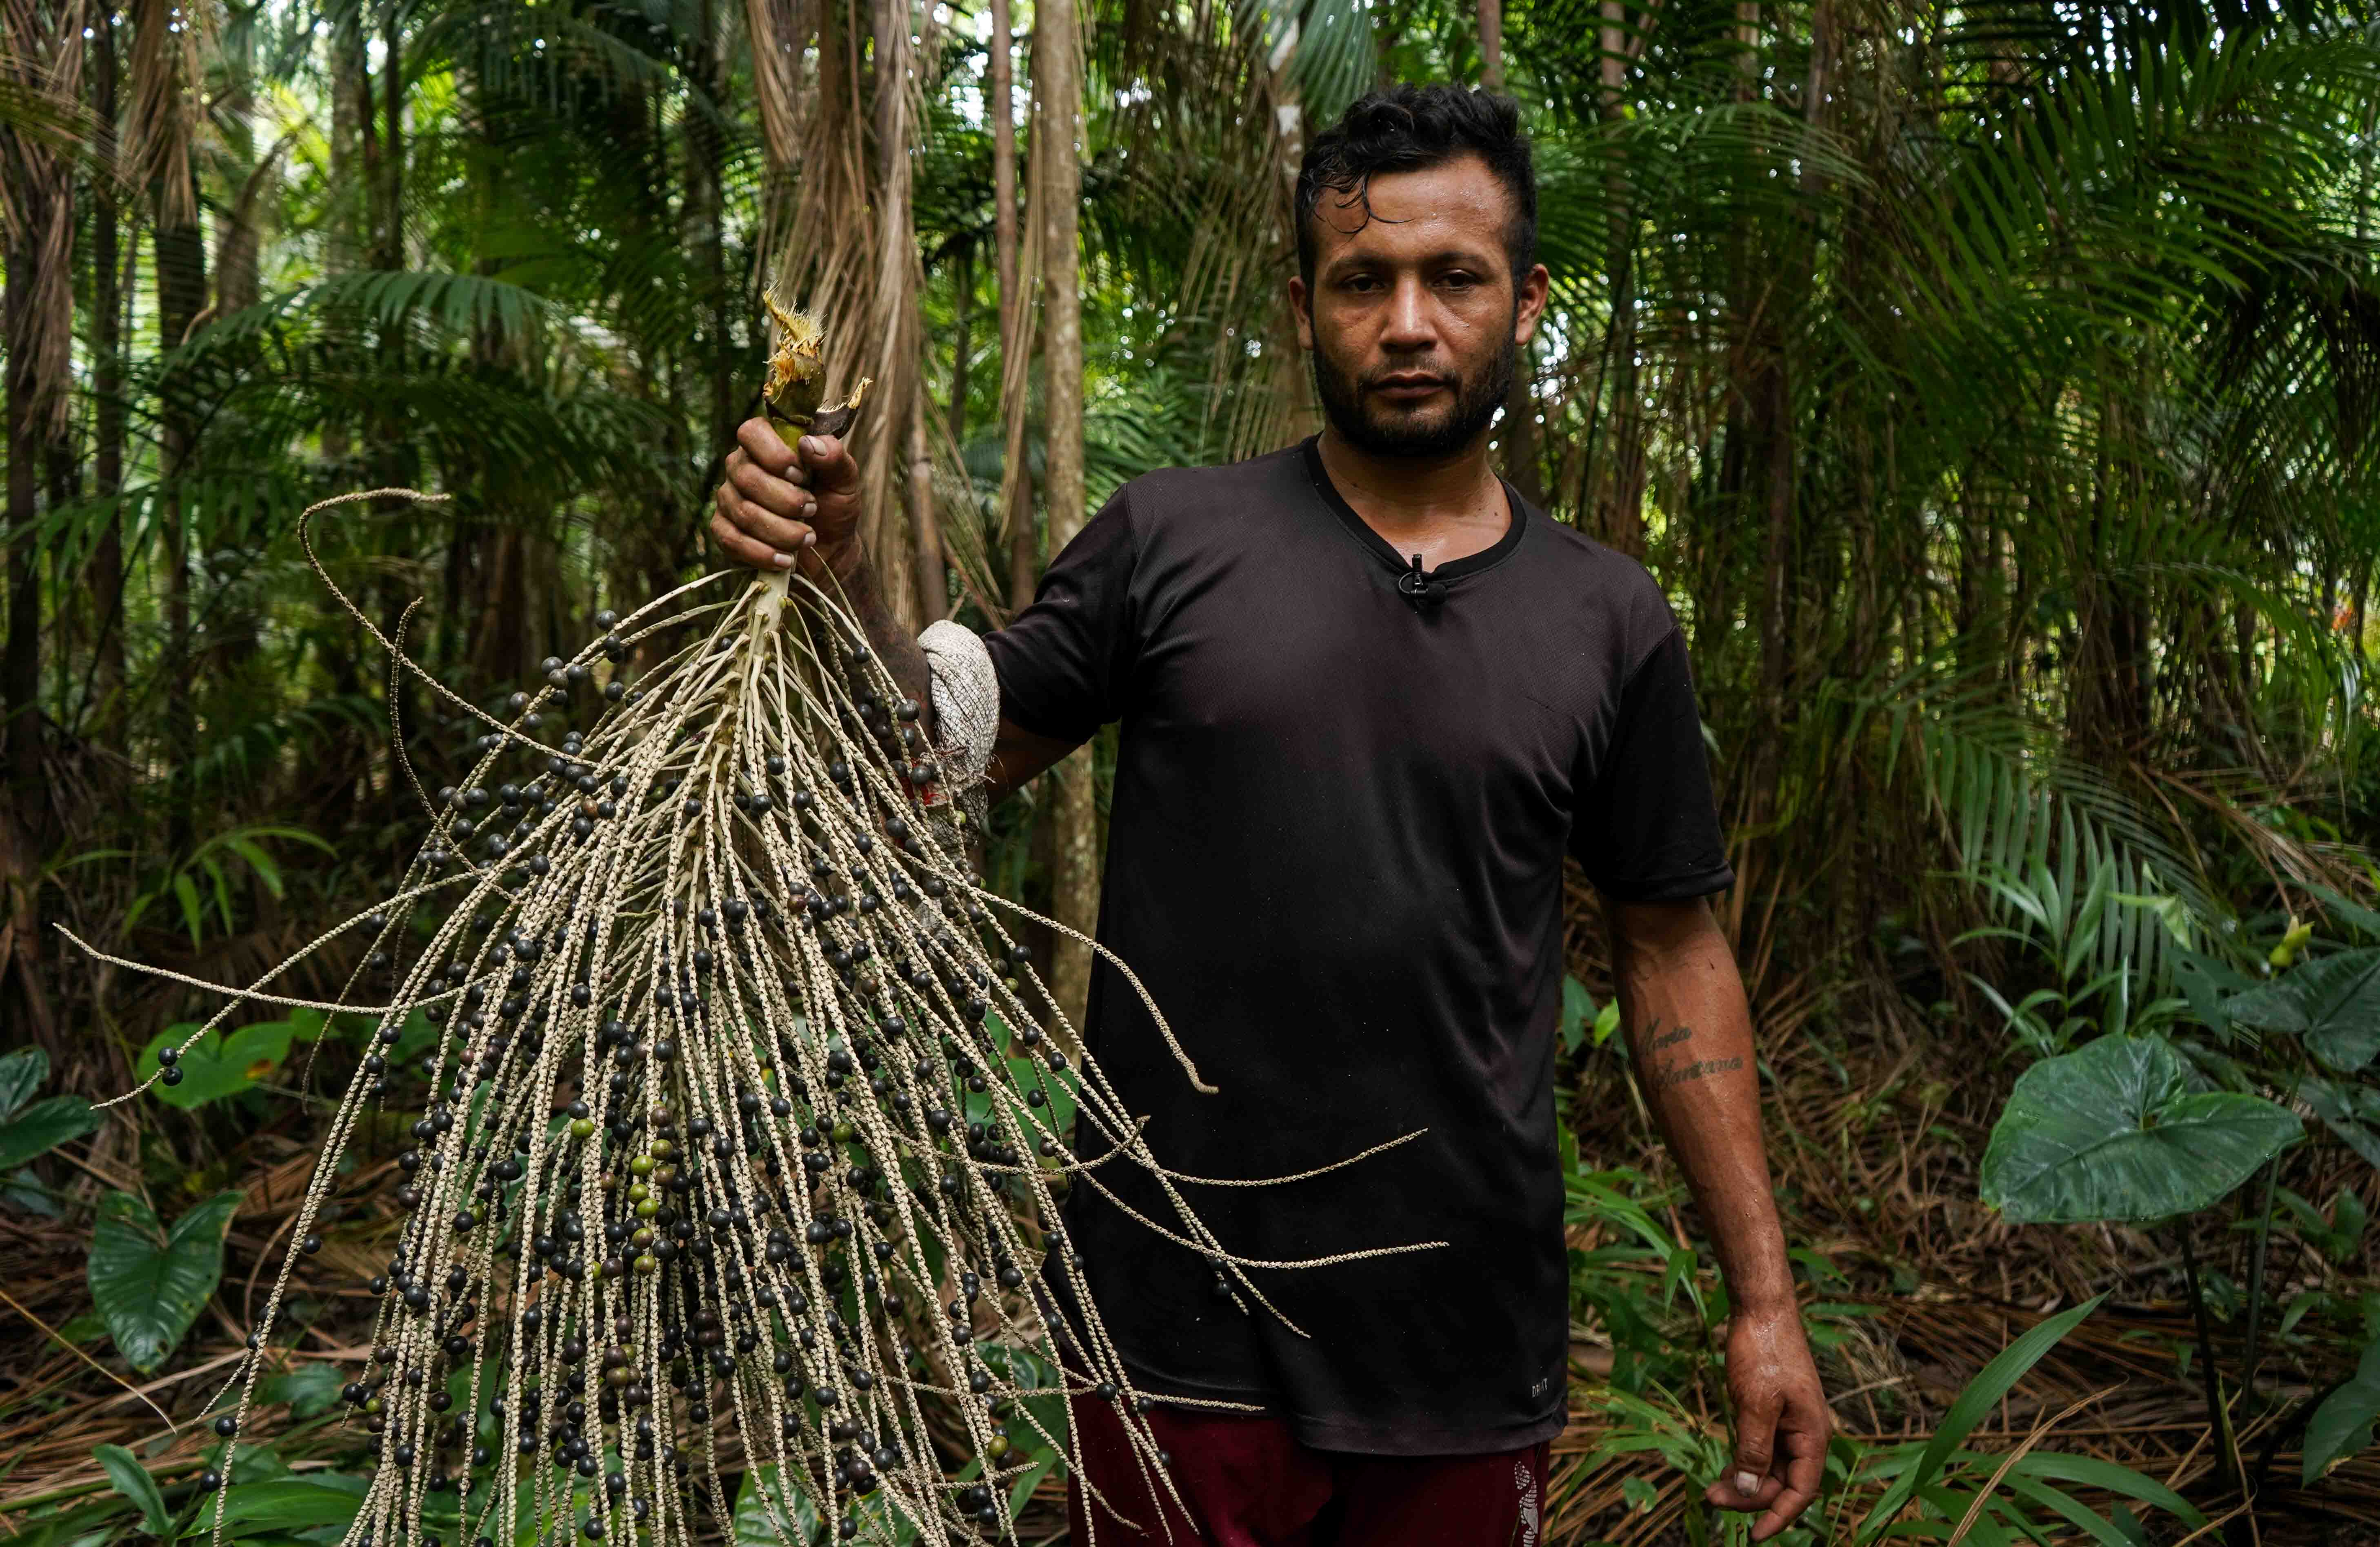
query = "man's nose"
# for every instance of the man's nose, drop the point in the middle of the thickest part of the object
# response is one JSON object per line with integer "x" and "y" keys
{"x": 1410, "y": 328}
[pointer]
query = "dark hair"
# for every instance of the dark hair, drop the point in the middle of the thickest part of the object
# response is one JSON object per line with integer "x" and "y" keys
{"x": 1405, "y": 129}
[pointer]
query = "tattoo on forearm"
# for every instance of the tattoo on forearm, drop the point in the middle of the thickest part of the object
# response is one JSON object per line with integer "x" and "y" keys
{"x": 1667, "y": 1074}
{"x": 1678, "y": 1073}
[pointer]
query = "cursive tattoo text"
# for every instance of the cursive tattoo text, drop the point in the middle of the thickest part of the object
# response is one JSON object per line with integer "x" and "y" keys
{"x": 1678, "y": 1074}
{"x": 1668, "y": 1075}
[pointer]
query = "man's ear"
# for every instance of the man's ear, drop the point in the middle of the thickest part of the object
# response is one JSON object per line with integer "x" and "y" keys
{"x": 1300, "y": 308}
{"x": 1530, "y": 304}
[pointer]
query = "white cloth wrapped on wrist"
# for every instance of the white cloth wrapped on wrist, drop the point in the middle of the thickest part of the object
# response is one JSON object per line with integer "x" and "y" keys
{"x": 967, "y": 700}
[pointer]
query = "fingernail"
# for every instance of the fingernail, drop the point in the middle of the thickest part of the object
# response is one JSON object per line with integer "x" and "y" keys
{"x": 1746, "y": 1484}
{"x": 812, "y": 444}
{"x": 809, "y": 540}
{"x": 784, "y": 561}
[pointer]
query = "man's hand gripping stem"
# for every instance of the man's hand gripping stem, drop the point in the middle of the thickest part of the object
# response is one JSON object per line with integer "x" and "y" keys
{"x": 791, "y": 499}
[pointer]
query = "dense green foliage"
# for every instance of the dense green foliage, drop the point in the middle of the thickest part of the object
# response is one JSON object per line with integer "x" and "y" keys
{"x": 1991, "y": 391}
{"x": 1995, "y": 389}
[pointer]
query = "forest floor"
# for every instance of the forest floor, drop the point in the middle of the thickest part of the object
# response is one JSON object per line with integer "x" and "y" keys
{"x": 1875, "y": 1147}
{"x": 1875, "y": 1135}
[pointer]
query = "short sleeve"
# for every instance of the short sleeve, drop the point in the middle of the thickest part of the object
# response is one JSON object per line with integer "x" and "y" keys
{"x": 1647, "y": 828}
{"x": 1063, "y": 662}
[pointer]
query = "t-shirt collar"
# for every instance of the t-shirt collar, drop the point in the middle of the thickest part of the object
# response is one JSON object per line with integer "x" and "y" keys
{"x": 1361, "y": 530}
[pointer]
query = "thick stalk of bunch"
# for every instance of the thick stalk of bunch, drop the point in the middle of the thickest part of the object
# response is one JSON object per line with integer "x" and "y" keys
{"x": 741, "y": 1112}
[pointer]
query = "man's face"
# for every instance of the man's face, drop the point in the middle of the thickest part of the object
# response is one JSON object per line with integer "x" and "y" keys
{"x": 1414, "y": 319}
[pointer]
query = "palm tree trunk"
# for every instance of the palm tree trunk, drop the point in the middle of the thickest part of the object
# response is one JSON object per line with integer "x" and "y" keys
{"x": 346, "y": 237}
{"x": 962, "y": 325}
{"x": 1518, "y": 434}
{"x": 392, "y": 160}
{"x": 1023, "y": 554}
{"x": 1612, "y": 480}
{"x": 1778, "y": 430}
{"x": 1058, "y": 87}
{"x": 1024, "y": 565}
{"x": 180, "y": 254}
{"x": 1294, "y": 411}
{"x": 238, "y": 244}
{"x": 21, "y": 659}
{"x": 389, "y": 451}
{"x": 897, "y": 324}
{"x": 106, "y": 567}
{"x": 20, "y": 668}
{"x": 706, "y": 157}
{"x": 45, "y": 57}
{"x": 933, "y": 582}
{"x": 897, "y": 131}
{"x": 1773, "y": 401}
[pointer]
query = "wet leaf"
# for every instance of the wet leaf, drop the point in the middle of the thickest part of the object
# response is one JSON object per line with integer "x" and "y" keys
{"x": 2113, "y": 1131}
{"x": 1577, "y": 1014}
{"x": 43, "y": 1127}
{"x": 2342, "y": 1424}
{"x": 132, "y": 1481}
{"x": 2333, "y": 1003}
{"x": 217, "y": 1065}
{"x": 150, "y": 1282}
{"x": 21, "y": 1073}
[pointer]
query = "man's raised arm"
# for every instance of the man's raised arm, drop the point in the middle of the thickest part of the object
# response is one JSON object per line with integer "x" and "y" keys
{"x": 782, "y": 506}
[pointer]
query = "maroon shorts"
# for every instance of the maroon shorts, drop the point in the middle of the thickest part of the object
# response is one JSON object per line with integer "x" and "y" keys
{"x": 1242, "y": 1480}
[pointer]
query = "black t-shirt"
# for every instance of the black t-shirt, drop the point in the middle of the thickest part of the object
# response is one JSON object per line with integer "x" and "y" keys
{"x": 1334, "y": 858}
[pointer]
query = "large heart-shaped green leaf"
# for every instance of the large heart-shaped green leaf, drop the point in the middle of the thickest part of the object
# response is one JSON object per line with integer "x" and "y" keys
{"x": 2334, "y": 1004}
{"x": 150, "y": 1283}
{"x": 2113, "y": 1131}
{"x": 21, "y": 1073}
{"x": 2342, "y": 1424}
{"x": 217, "y": 1064}
{"x": 43, "y": 1127}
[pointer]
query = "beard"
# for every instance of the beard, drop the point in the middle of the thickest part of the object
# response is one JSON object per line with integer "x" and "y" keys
{"x": 1437, "y": 428}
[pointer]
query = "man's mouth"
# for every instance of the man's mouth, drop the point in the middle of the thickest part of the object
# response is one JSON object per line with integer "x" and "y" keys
{"x": 1407, "y": 388}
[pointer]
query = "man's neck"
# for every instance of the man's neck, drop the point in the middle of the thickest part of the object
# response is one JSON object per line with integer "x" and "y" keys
{"x": 1443, "y": 507}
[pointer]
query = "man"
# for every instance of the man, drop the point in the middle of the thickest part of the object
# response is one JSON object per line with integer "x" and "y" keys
{"x": 1369, "y": 700}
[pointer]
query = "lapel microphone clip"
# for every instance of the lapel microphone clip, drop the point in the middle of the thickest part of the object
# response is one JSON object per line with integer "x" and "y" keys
{"x": 1425, "y": 593}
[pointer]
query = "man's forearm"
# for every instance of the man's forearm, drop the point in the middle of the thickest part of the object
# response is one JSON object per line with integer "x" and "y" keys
{"x": 1682, "y": 1002}
{"x": 895, "y": 645}
{"x": 1016, "y": 757}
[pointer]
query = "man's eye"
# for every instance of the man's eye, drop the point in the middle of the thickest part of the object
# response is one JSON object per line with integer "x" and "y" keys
{"x": 1460, "y": 280}
{"x": 1360, "y": 282}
